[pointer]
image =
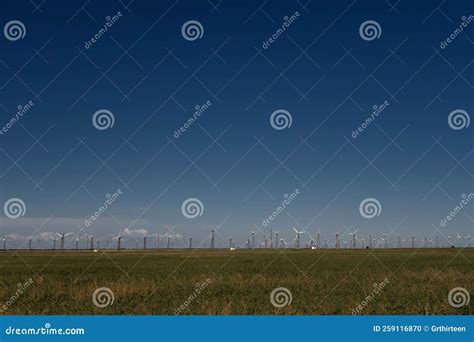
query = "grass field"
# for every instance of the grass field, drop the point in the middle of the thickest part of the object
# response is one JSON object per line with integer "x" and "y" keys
{"x": 160, "y": 282}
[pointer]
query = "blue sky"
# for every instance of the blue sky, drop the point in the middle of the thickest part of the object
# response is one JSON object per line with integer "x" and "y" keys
{"x": 150, "y": 78}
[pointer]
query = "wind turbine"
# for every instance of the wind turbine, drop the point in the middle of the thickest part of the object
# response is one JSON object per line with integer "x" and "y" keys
{"x": 468, "y": 237}
{"x": 354, "y": 237}
{"x": 459, "y": 237}
{"x": 337, "y": 240}
{"x": 271, "y": 238}
{"x": 190, "y": 243}
{"x": 4, "y": 244}
{"x": 119, "y": 241}
{"x": 54, "y": 242}
{"x": 297, "y": 237}
{"x": 212, "y": 239}
{"x": 62, "y": 236}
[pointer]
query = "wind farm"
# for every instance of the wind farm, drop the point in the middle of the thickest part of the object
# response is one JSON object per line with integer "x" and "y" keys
{"x": 295, "y": 239}
{"x": 327, "y": 273}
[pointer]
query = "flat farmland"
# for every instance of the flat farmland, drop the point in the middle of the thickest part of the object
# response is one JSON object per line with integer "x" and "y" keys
{"x": 242, "y": 282}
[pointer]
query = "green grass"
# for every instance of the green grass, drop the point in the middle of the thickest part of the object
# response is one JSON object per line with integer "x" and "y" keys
{"x": 158, "y": 282}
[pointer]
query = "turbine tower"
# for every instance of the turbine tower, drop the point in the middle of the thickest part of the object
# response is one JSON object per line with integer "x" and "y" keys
{"x": 230, "y": 242}
{"x": 412, "y": 242}
{"x": 212, "y": 239}
{"x": 4, "y": 244}
{"x": 62, "y": 236}
{"x": 354, "y": 238}
{"x": 370, "y": 241}
{"x": 297, "y": 238}
{"x": 276, "y": 240}
{"x": 253, "y": 239}
{"x": 168, "y": 242}
{"x": 337, "y": 240}
{"x": 119, "y": 241}
{"x": 144, "y": 242}
{"x": 190, "y": 242}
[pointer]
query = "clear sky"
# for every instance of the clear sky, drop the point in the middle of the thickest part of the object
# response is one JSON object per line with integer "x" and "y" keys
{"x": 319, "y": 69}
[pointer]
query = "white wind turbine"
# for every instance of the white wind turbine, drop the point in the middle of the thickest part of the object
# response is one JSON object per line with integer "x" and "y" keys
{"x": 297, "y": 237}
{"x": 459, "y": 237}
{"x": 62, "y": 236}
{"x": 354, "y": 237}
{"x": 54, "y": 241}
{"x": 119, "y": 241}
{"x": 468, "y": 237}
